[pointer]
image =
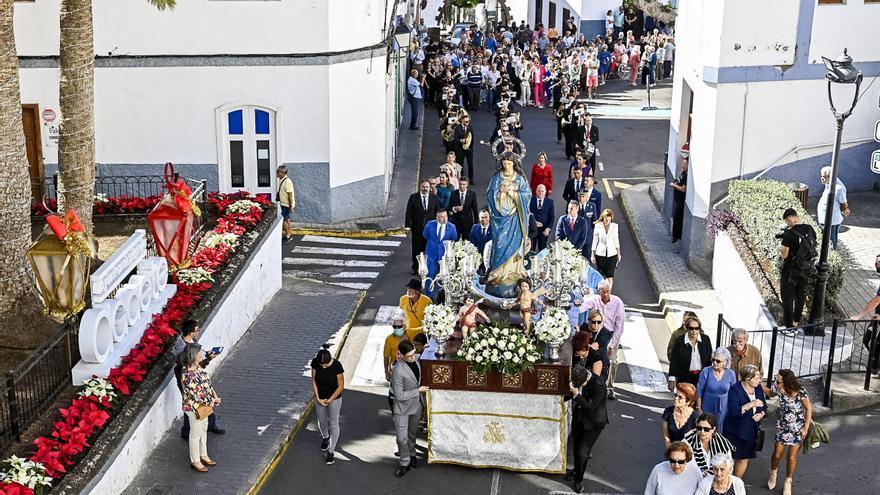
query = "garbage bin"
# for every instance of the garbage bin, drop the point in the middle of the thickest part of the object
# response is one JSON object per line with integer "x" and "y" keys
{"x": 801, "y": 191}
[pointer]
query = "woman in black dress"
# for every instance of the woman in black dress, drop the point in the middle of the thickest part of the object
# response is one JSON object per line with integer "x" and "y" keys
{"x": 681, "y": 417}
{"x": 679, "y": 193}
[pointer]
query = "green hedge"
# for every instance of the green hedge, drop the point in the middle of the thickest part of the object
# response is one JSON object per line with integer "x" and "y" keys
{"x": 759, "y": 204}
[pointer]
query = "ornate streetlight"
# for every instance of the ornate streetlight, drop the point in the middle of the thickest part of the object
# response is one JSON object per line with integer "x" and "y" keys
{"x": 840, "y": 71}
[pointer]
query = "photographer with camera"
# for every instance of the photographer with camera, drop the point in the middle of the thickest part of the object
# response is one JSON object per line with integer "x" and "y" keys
{"x": 798, "y": 254}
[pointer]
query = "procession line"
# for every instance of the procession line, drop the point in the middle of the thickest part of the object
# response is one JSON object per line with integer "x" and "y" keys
{"x": 355, "y": 275}
{"x": 346, "y": 240}
{"x": 340, "y": 251}
{"x": 333, "y": 262}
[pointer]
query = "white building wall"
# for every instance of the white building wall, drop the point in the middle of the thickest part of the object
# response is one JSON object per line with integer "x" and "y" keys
{"x": 748, "y": 39}
{"x": 853, "y": 24}
{"x": 354, "y": 23}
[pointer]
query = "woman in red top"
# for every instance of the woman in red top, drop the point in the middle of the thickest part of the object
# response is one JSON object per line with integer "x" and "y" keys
{"x": 542, "y": 173}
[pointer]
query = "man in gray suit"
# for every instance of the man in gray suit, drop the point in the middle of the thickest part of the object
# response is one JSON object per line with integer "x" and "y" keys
{"x": 405, "y": 379}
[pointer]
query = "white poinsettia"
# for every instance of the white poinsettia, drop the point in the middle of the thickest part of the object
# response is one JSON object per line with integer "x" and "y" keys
{"x": 242, "y": 206}
{"x": 101, "y": 198}
{"x": 439, "y": 321}
{"x": 27, "y": 473}
{"x": 191, "y": 276}
{"x": 554, "y": 325}
{"x": 98, "y": 387}
{"x": 215, "y": 238}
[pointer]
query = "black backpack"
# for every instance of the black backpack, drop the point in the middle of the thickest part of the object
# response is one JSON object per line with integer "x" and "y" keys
{"x": 806, "y": 250}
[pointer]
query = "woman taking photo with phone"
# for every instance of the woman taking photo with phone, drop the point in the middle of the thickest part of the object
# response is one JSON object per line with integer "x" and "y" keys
{"x": 199, "y": 401}
{"x": 328, "y": 381}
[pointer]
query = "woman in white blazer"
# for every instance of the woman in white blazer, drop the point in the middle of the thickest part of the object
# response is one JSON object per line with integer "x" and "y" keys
{"x": 606, "y": 245}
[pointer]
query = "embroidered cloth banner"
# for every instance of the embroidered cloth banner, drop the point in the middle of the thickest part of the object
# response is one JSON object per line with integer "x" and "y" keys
{"x": 517, "y": 432}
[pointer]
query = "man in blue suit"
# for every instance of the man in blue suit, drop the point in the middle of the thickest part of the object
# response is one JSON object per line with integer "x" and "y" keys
{"x": 572, "y": 227}
{"x": 545, "y": 214}
{"x": 593, "y": 194}
{"x": 481, "y": 233}
{"x": 435, "y": 232}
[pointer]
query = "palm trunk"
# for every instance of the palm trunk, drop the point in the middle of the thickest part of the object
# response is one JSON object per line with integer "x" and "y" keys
{"x": 76, "y": 144}
{"x": 15, "y": 189}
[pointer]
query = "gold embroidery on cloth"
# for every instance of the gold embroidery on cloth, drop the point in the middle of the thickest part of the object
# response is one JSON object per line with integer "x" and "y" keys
{"x": 494, "y": 433}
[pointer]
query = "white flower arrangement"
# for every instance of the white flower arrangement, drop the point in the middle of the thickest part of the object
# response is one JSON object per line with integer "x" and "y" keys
{"x": 27, "y": 473}
{"x": 242, "y": 206}
{"x": 554, "y": 325}
{"x": 463, "y": 250}
{"x": 499, "y": 349}
{"x": 191, "y": 276}
{"x": 439, "y": 321}
{"x": 101, "y": 198}
{"x": 214, "y": 239}
{"x": 97, "y": 387}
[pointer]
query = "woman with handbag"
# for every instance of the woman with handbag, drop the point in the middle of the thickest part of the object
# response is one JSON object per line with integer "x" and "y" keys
{"x": 746, "y": 407}
{"x": 792, "y": 424}
{"x": 199, "y": 400}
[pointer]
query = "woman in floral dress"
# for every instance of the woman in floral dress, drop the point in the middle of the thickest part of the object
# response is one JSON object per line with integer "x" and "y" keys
{"x": 197, "y": 391}
{"x": 795, "y": 416}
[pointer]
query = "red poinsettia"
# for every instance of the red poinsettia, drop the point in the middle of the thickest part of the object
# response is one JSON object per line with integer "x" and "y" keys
{"x": 14, "y": 489}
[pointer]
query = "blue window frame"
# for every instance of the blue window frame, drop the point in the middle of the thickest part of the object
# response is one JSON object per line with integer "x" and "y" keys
{"x": 261, "y": 122}
{"x": 236, "y": 123}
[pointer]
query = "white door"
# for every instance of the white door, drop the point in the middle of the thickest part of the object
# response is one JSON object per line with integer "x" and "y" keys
{"x": 248, "y": 152}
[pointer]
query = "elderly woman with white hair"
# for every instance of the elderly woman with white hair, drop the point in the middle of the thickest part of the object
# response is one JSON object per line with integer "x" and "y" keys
{"x": 715, "y": 381}
{"x": 722, "y": 481}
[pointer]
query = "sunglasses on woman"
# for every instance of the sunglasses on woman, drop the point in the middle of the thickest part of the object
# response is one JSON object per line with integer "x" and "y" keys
{"x": 705, "y": 429}
{"x": 595, "y": 322}
{"x": 680, "y": 462}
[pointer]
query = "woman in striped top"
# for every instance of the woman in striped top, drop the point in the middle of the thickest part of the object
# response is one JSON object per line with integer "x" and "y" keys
{"x": 707, "y": 442}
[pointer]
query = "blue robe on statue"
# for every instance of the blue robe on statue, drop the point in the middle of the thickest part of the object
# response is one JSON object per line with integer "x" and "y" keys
{"x": 510, "y": 225}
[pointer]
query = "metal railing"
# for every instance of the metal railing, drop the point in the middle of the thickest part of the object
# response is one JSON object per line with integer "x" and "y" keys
{"x": 30, "y": 387}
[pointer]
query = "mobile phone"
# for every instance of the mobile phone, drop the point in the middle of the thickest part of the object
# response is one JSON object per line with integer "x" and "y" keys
{"x": 217, "y": 350}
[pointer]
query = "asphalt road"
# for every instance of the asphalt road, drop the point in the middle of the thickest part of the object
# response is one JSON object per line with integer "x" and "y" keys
{"x": 632, "y": 150}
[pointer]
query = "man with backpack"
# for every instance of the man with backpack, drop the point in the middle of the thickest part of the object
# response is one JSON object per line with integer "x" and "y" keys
{"x": 798, "y": 255}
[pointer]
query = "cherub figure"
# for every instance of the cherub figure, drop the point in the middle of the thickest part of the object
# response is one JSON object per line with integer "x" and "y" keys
{"x": 525, "y": 300}
{"x": 467, "y": 316}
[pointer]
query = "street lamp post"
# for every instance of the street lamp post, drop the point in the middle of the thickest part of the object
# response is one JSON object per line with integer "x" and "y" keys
{"x": 840, "y": 71}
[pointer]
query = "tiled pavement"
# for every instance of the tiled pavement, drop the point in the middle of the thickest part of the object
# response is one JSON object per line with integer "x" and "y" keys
{"x": 265, "y": 389}
{"x": 678, "y": 288}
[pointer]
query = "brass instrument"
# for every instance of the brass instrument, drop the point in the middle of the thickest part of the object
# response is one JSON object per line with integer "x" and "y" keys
{"x": 467, "y": 141}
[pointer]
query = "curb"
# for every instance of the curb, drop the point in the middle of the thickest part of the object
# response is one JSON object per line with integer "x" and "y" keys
{"x": 310, "y": 406}
{"x": 669, "y": 314}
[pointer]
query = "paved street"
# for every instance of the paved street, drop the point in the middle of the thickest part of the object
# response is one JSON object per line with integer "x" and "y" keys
{"x": 632, "y": 152}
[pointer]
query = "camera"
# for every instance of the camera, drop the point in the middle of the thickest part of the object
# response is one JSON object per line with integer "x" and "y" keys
{"x": 779, "y": 235}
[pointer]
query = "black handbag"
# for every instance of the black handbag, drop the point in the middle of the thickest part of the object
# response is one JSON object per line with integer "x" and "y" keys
{"x": 759, "y": 440}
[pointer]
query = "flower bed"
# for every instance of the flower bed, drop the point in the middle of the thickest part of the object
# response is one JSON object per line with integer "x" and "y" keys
{"x": 98, "y": 401}
{"x": 105, "y": 205}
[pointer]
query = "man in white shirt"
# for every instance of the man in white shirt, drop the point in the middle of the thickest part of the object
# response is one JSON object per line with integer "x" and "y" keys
{"x": 414, "y": 97}
{"x": 614, "y": 315}
{"x": 839, "y": 204}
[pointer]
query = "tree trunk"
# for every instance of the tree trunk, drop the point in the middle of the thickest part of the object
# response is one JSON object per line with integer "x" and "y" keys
{"x": 15, "y": 189}
{"x": 76, "y": 143}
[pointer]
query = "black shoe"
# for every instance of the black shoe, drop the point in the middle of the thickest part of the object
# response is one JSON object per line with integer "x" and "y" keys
{"x": 569, "y": 475}
{"x": 184, "y": 436}
{"x": 330, "y": 459}
{"x": 578, "y": 487}
{"x": 287, "y": 239}
{"x": 217, "y": 431}
{"x": 414, "y": 463}
{"x": 325, "y": 444}
{"x": 401, "y": 471}
{"x": 611, "y": 395}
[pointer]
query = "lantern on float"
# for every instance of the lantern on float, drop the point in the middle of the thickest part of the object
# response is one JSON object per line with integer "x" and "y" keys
{"x": 61, "y": 258}
{"x": 171, "y": 221}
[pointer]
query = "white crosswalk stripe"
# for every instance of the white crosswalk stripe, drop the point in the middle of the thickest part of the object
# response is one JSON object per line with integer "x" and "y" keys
{"x": 340, "y": 251}
{"x": 352, "y": 285}
{"x": 355, "y": 275}
{"x": 639, "y": 354}
{"x": 333, "y": 262}
{"x": 346, "y": 240}
{"x": 370, "y": 371}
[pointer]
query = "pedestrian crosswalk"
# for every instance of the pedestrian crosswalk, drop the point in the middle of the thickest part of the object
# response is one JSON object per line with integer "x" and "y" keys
{"x": 346, "y": 262}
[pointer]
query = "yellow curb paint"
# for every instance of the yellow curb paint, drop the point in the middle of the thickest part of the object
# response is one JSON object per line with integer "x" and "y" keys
{"x": 621, "y": 185}
{"x": 608, "y": 190}
{"x": 276, "y": 459}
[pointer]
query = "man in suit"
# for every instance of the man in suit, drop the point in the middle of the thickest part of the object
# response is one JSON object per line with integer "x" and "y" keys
{"x": 591, "y": 135}
{"x": 463, "y": 204}
{"x": 481, "y": 233}
{"x": 572, "y": 186}
{"x": 589, "y": 213}
{"x": 435, "y": 232}
{"x": 572, "y": 227}
{"x": 407, "y": 407}
{"x": 589, "y": 416}
{"x": 545, "y": 214}
{"x": 420, "y": 208}
{"x": 464, "y": 144}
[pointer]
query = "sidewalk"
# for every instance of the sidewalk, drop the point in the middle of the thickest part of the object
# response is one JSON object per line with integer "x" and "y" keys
{"x": 266, "y": 392}
{"x": 678, "y": 288}
{"x": 403, "y": 183}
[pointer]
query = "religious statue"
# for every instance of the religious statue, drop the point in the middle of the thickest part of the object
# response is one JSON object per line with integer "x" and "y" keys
{"x": 526, "y": 302}
{"x": 467, "y": 316}
{"x": 508, "y": 199}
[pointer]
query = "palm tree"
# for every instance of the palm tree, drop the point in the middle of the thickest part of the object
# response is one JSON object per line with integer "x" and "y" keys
{"x": 15, "y": 189}
{"x": 76, "y": 95}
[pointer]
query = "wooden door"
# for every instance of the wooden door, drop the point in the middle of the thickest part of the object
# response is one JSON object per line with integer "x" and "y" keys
{"x": 30, "y": 121}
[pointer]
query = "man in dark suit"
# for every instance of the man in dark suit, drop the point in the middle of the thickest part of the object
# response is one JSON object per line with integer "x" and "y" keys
{"x": 572, "y": 186}
{"x": 572, "y": 227}
{"x": 464, "y": 144}
{"x": 590, "y": 214}
{"x": 588, "y": 395}
{"x": 590, "y": 133}
{"x": 463, "y": 204}
{"x": 420, "y": 208}
{"x": 435, "y": 232}
{"x": 481, "y": 233}
{"x": 545, "y": 215}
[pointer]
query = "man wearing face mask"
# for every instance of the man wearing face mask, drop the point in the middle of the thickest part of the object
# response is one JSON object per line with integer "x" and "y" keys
{"x": 397, "y": 334}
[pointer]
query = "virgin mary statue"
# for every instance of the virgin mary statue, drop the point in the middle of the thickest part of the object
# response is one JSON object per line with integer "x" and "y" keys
{"x": 508, "y": 199}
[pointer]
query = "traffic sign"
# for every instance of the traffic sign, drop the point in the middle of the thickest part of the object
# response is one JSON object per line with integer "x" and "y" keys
{"x": 877, "y": 131}
{"x": 875, "y": 162}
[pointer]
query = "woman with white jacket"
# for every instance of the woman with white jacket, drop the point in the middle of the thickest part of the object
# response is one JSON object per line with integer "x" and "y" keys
{"x": 606, "y": 246}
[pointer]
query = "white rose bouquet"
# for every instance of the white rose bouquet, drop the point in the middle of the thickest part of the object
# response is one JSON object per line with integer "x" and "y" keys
{"x": 465, "y": 254}
{"x": 439, "y": 321}
{"x": 554, "y": 325}
{"x": 499, "y": 349}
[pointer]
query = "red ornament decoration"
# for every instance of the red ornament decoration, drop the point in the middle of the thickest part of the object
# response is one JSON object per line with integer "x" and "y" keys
{"x": 171, "y": 221}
